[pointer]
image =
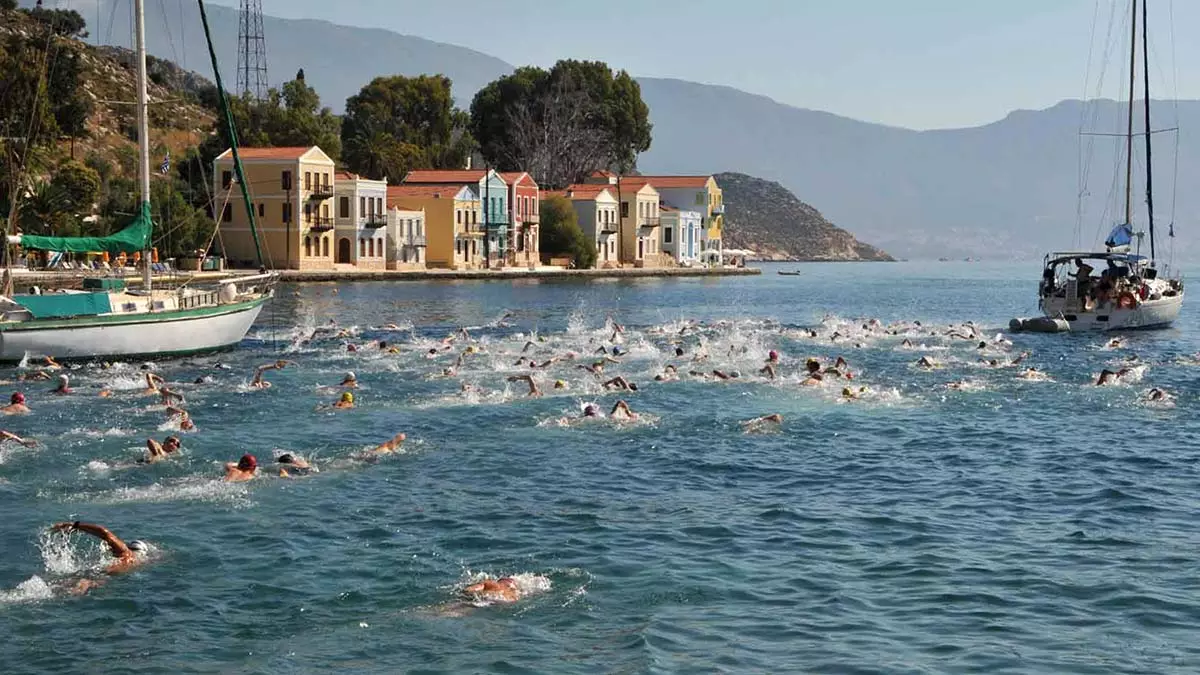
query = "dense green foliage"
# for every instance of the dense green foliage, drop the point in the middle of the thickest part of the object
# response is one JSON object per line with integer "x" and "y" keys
{"x": 562, "y": 124}
{"x": 396, "y": 124}
{"x": 561, "y": 234}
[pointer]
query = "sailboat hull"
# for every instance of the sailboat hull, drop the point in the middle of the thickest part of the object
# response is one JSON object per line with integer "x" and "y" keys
{"x": 169, "y": 333}
{"x": 1155, "y": 314}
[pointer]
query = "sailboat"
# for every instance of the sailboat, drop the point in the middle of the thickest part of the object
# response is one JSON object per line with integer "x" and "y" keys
{"x": 107, "y": 319}
{"x": 1129, "y": 292}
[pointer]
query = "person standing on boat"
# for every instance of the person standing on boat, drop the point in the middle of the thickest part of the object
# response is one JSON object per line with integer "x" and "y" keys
{"x": 1083, "y": 280}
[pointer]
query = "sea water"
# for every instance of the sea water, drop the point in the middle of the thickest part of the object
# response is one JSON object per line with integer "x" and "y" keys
{"x": 958, "y": 518}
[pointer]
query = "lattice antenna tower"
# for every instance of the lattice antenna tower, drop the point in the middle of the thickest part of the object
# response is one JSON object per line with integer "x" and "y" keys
{"x": 252, "y": 51}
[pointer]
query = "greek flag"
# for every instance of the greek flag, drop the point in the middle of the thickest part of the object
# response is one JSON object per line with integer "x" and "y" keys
{"x": 165, "y": 167}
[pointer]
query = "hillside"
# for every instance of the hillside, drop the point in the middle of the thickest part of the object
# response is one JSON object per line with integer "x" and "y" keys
{"x": 765, "y": 217}
{"x": 177, "y": 118}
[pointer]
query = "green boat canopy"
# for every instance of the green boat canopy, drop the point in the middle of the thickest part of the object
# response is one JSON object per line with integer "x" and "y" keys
{"x": 135, "y": 237}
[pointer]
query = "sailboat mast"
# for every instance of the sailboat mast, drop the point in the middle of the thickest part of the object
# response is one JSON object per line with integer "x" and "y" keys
{"x": 1129, "y": 117}
{"x": 1146, "y": 102}
{"x": 143, "y": 122}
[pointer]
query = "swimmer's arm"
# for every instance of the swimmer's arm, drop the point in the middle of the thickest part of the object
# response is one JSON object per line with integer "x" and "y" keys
{"x": 10, "y": 436}
{"x": 114, "y": 542}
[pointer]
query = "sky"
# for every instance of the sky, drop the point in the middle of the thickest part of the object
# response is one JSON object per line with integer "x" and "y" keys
{"x": 921, "y": 64}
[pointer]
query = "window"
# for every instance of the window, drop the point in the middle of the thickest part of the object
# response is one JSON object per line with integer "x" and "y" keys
{"x": 226, "y": 179}
{"x": 262, "y": 210}
{"x": 307, "y": 212}
{"x": 362, "y": 247}
{"x": 700, "y": 198}
{"x": 379, "y": 205}
{"x": 325, "y": 246}
{"x": 227, "y": 213}
{"x": 475, "y": 217}
{"x": 667, "y": 234}
{"x": 418, "y": 228}
{"x": 325, "y": 210}
{"x": 371, "y": 248}
{"x": 362, "y": 206}
{"x": 624, "y": 209}
{"x": 308, "y": 180}
{"x": 287, "y": 212}
{"x": 285, "y": 180}
{"x": 344, "y": 207}
{"x": 458, "y": 216}
{"x": 307, "y": 246}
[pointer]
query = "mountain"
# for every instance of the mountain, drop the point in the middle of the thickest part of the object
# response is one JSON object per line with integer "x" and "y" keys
{"x": 1002, "y": 190}
{"x": 337, "y": 60}
{"x": 765, "y": 217}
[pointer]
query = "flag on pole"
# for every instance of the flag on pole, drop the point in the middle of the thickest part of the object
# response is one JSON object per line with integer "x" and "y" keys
{"x": 166, "y": 163}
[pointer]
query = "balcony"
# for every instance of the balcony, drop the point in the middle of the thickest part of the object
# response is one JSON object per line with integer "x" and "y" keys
{"x": 650, "y": 222}
{"x": 530, "y": 218}
{"x": 320, "y": 224}
{"x": 414, "y": 241}
{"x": 321, "y": 192}
{"x": 718, "y": 210}
{"x": 375, "y": 220}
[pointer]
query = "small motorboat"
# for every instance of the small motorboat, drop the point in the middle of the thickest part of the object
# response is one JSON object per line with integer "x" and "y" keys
{"x": 785, "y": 273}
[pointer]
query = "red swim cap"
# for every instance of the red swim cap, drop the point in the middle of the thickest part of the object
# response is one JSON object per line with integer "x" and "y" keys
{"x": 17, "y": 397}
{"x": 247, "y": 463}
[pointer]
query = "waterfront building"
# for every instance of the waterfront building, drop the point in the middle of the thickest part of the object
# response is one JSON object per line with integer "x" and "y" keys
{"x": 291, "y": 190}
{"x": 453, "y": 222}
{"x": 524, "y": 240}
{"x": 596, "y": 208}
{"x": 492, "y": 192}
{"x": 359, "y": 221}
{"x": 682, "y": 234}
{"x": 697, "y": 193}
{"x": 406, "y": 239}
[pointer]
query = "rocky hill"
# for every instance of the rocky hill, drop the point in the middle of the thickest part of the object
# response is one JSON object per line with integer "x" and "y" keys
{"x": 181, "y": 112}
{"x": 765, "y": 217}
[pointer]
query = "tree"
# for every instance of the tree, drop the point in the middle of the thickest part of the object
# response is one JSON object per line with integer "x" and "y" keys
{"x": 79, "y": 185}
{"x": 561, "y": 234}
{"x": 398, "y": 123}
{"x": 64, "y": 22}
{"x": 562, "y": 124}
{"x": 8, "y": 5}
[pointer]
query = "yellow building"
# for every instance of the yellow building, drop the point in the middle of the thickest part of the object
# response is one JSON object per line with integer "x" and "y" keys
{"x": 291, "y": 191}
{"x": 453, "y": 226}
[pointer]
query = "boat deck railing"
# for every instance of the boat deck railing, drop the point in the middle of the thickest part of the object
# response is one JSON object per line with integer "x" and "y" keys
{"x": 194, "y": 300}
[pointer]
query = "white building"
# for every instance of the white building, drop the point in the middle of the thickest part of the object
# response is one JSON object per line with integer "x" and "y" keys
{"x": 682, "y": 234}
{"x": 406, "y": 239}
{"x": 359, "y": 220}
{"x": 596, "y": 208}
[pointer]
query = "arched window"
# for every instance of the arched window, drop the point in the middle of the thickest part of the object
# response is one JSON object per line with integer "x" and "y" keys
{"x": 362, "y": 247}
{"x": 325, "y": 246}
{"x": 371, "y": 248}
{"x": 308, "y": 247}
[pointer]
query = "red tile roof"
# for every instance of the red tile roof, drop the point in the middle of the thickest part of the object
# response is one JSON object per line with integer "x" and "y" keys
{"x": 421, "y": 192}
{"x": 271, "y": 153}
{"x": 664, "y": 207}
{"x": 345, "y": 175}
{"x": 447, "y": 176}
{"x": 674, "y": 181}
{"x": 603, "y": 174}
{"x": 588, "y": 190}
{"x": 634, "y": 183}
{"x": 518, "y": 177}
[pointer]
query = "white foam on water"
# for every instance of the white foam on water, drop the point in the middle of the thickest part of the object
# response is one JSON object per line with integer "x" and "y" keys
{"x": 192, "y": 489}
{"x": 32, "y": 589}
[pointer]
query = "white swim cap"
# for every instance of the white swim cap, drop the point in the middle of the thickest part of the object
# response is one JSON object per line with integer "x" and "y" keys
{"x": 138, "y": 546}
{"x": 350, "y": 375}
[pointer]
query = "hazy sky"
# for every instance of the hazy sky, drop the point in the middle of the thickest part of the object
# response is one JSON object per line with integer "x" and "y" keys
{"x": 914, "y": 63}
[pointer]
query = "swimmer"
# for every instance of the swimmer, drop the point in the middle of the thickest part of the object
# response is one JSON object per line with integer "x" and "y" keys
{"x": 906, "y": 343}
{"x": 529, "y": 344}
{"x": 591, "y": 410}
{"x": 36, "y": 376}
{"x": 926, "y": 362}
{"x": 10, "y": 436}
{"x": 619, "y": 382}
{"x": 1115, "y": 343}
{"x": 768, "y": 370}
{"x": 185, "y": 420}
{"x": 622, "y": 411}
{"x": 1109, "y": 377}
{"x": 294, "y": 462}
{"x": 528, "y": 379}
{"x": 669, "y": 373}
{"x": 679, "y": 351}
{"x": 813, "y": 380}
{"x": 245, "y": 469}
{"x": 158, "y": 451}
{"x": 49, "y": 362}
{"x": 722, "y": 375}
{"x": 760, "y": 423}
{"x": 128, "y": 556}
{"x": 258, "y": 382}
{"x": 64, "y": 385}
{"x": 500, "y": 590}
{"x": 349, "y": 380}
{"x": 16, "y": 405}
{"x": 772, "y": 357}
{"x": 345, "y": 401}
{"x": 1157, "y": 395}
{"x": 561, "y": 384}
{"x": 153, "y": 382}
{"x": 849, "y": 394}
{"x": 812, "y": 366}
{"x": 1031, "y": 373}
{"x": 168, "y": 395}
{"x": 390, "y": 446}
{"x": 593, "y": 368}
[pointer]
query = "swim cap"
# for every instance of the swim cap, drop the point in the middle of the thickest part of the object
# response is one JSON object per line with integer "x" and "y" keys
{"x": 590, "y": 410}
{"x": 173, "y": 439}
{"x": 17, "y": 397}
{"x": 347, "y": 397}
{"x": 772, "y": 355}
{"x": 286, "y": 458}
{"x": 350, "y": 376}
{"x": 247, "y": 463}
{"x": 138, "y": 546}
{"x": 559, "y": 384}
{"x": 64, "y": 379}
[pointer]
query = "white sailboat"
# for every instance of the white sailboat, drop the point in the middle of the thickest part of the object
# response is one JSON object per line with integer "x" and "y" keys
{"x": 1129, "y": 292}
{"x": 106, "y": 319}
